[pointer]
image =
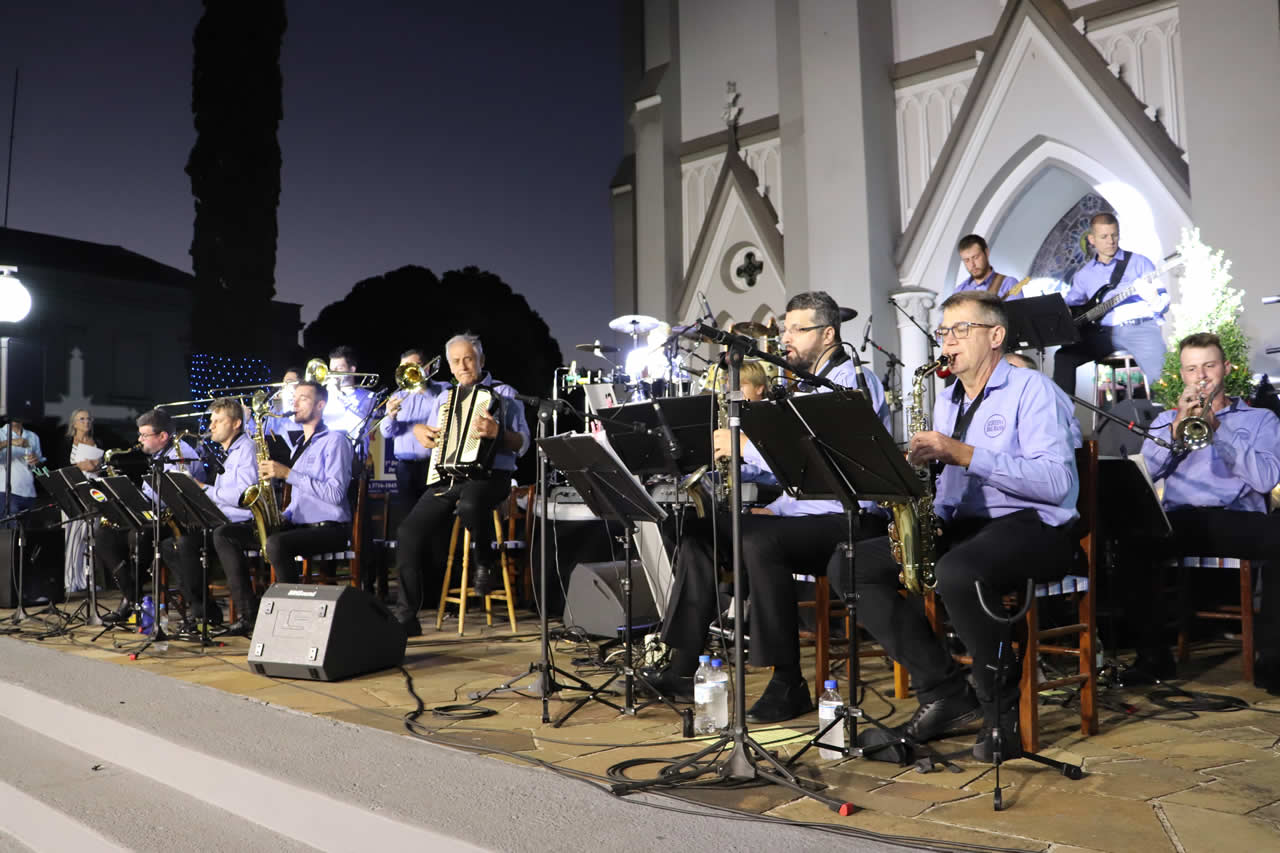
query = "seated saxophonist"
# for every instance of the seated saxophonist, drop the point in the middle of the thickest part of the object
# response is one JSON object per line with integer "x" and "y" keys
{"x": 1216, "y": 498}
{"x": 229, "y": 541}
{"x": 114, "y": 547}
{"x": 1006, "y": 500}
{"x": 787, "y": 537}
{"x": 472, "y": 500}
{"x": 317, "y": 519}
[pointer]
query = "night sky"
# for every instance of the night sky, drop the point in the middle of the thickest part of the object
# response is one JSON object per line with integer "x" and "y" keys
{"x": 431, "y": 133}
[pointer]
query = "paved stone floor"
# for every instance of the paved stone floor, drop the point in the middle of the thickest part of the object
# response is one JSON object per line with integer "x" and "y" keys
{"x": 1157, "y": 779}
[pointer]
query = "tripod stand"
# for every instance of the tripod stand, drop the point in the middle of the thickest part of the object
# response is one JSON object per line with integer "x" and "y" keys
{"x": 197, "y": 515}
{"x": 60, "y": 485}
{"x": 1071, "y": 771}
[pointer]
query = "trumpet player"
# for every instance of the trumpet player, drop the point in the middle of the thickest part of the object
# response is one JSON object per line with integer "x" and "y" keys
{"x": 349, "y": 404}
{"x": 112, "y": 545}
{"x": 1006, "y": 500}
{"x": 1216, "y": 499}
{"x": 406, "y": 409}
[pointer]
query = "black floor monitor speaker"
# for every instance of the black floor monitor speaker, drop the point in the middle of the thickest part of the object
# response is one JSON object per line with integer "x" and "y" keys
{"x": 597, "y": 604}
{"x": 42, "y": 575}
{"x": 1114, "y": 439}
{"x": 324, "y": 633}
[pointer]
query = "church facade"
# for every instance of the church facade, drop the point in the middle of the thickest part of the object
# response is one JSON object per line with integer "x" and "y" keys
{"x": 868, "y": 136}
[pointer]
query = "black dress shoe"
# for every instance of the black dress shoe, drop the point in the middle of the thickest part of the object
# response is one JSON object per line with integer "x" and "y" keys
{"x": 1266, "y": 673}
{"x": 120, "y": 615}
{"x": 242, "y": 627}
{"x": 781, "y": 701}
{"x": 412, "y": 627}
{"x": 942, "y": 716}
{"x": 665, "y": 683}
{"x": 483, "y": 579}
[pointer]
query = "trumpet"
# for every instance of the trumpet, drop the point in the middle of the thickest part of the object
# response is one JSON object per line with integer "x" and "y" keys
{"x": 1194, "y": 431}
{"x": 410, "y": 378}
{"x": 318, "y": 371}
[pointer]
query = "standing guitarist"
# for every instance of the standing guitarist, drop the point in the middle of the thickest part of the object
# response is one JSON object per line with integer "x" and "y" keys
{"x": 977, "y": 261}
{"x": 1133, "y": 325}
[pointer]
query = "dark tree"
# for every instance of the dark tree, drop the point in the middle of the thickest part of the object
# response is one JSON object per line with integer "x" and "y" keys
{"x": 410, "y": 307}
{"x": 235, "y": 163}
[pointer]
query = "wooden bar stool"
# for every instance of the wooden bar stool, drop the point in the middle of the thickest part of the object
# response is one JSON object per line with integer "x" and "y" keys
{"x": 464, "y": 590}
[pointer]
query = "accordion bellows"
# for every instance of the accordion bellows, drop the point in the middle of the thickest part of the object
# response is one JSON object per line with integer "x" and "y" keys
{"x": 459, "y": 452}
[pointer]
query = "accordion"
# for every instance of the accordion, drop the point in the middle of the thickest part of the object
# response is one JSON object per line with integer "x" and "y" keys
{"x": 459, "y": 452}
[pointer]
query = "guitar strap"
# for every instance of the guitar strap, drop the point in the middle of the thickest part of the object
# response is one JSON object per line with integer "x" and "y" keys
{"x": 994, "y": 287}
{"x": 1116, "y": 275}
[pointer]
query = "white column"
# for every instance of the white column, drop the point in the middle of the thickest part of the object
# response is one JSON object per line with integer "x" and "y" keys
{"x": 913, "y": 346}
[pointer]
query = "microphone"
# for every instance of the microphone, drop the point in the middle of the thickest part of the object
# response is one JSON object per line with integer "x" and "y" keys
{"x": 670, "y": 437}
{"x": 706, "y": 309}
{"x": 866, "y": 333}
{"x": 530, "y": 400}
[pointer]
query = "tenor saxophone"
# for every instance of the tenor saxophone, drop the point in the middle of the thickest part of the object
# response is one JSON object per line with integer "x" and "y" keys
{"x": 913, "y": 529}
{"x": 260, "y": 498}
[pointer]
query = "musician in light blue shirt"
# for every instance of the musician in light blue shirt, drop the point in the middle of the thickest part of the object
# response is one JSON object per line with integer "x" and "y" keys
{"x": 406, "y": 409}
{"x": 1216, "y": 499}
{"x": 318, "y": 515}
{"x": 349, "y": 405}
{"x": 977, "y": 261}
{"x": 1133, "y": 325}
{"x": 1006, "y": 500}
{"x": 20, "y": 455}
{"x": 787, "y": 537}
{"x": 228, "y": 541}
{"x": 473, "y": 499}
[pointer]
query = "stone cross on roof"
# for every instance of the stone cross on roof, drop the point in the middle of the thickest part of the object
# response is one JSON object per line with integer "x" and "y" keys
{"x": 731, "y": 112}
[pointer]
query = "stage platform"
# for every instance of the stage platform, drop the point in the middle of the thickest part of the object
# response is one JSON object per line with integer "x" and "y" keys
{"x": 1157, "y": 779}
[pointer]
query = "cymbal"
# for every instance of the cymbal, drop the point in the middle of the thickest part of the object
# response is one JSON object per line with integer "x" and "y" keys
{"x": 596, "y": 347}
{"x": 634, "y": 324}
{"x": 750, "y": 330}
{"x": 847, "y": 314}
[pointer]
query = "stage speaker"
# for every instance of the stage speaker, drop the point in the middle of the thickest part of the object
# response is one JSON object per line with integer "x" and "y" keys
{"x": 324, "y": 633}
{"x": 42, "y": 574}
{"x": 597, "y": 604}
{"x": 1114, "y": 439}
{"x": 21, "y": 379}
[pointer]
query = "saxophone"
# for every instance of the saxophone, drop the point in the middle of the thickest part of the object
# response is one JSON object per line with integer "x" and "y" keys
{"x": 694, "y": 483}
{"x": 913, "y": 528}
{"x": 260, "y": 498}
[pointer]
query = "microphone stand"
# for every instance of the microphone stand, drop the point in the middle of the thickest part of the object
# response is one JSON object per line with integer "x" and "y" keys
{"x": 1132, "y": 426}
{"x": 928, "y": 335}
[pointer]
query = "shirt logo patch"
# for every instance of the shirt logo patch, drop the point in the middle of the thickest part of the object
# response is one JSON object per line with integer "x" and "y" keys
{"x": 994, "y": 426}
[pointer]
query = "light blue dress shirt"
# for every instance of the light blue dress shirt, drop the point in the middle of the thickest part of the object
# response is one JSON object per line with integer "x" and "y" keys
{"x": 1023, "y": 456}
{"x": 239, "y": 472}
{"x": 319, "y": 479}
{"x": 1093, "y": 275}
{"x": 512, "y": 420}
{"x": 1009, "y": 283}
{"x": 419, "y": 407}
{"x": 1236, "y": 471}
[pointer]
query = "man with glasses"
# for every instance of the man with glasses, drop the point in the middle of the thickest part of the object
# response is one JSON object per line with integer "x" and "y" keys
{"x": 1006, "y": 498}
{"x": 113, "y": 546}
{"x": 787, "y": 537}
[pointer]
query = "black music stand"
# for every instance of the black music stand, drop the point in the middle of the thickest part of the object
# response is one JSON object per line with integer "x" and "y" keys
{"x": 612, "y": 493}
{"x": 195, "y": 512}
{"x": 60, "y": 485}
{"x": 639, "y": 433}
{"x": 850, "y": 458}
{"x": 1039, "y": 322}
{"x": 120, "y": 503}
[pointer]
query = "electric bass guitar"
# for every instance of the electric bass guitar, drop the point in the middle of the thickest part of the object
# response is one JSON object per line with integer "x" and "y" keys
{"x": 1087, "y": 315}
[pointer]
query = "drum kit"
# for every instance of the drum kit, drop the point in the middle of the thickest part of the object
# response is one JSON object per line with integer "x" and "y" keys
{"x": 657, "y": 364}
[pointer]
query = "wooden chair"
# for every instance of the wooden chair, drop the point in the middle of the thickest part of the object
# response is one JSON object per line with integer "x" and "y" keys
{"x": 1242, "y": 612}
{"x": 515, "y": 546}
{"x": 460, "y": 594}
{"x": 823, "y": 606}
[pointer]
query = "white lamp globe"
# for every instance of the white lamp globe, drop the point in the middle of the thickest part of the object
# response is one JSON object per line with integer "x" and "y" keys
{"x": 15, "y": 300}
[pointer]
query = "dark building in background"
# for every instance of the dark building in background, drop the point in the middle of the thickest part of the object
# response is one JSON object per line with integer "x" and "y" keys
{"x": 115, "y": 326}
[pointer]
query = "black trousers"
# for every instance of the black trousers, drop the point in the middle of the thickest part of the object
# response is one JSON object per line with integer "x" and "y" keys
{"x": 1002, "y": 552}
{"x": 230, "y": 542}
{"x": 113, "y": 549}
{"x": 1204, "y": 532}
{"x": 773, "y": 550}
{"x": 303, "y": 541}
{"x": 411, "y": 482}
{"x": 472, "y": 501}
{"x": 182, "y": 556}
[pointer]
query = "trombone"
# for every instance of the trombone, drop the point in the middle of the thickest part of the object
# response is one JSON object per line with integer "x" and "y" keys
{"x": 410, "y": 378}
{"x": 318, "y": 371}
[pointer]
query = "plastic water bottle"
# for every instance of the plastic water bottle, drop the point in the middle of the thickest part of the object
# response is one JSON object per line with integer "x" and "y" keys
{"x": 719, "y": 695}
{"x": 145, "y": 620}
{"x": 828, "y": 704}
{"x": 162, "y": 637}
{"x": 703, "y": 689}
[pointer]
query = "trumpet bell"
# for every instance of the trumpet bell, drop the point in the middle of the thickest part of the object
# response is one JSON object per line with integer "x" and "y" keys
{"x": 317, "y": 371}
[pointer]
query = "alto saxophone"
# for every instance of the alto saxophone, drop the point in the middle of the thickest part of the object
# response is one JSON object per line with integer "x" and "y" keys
{"x": 694, "y": 483}
{"x": 913, "y": 529}
{"x": 260, "y": 498}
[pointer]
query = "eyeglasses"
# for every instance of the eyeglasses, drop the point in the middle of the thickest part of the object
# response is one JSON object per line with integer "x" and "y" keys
{"x": 960, "y": 330}
{"x": 147, "y": 434}
{"x": 795, "y": 330}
